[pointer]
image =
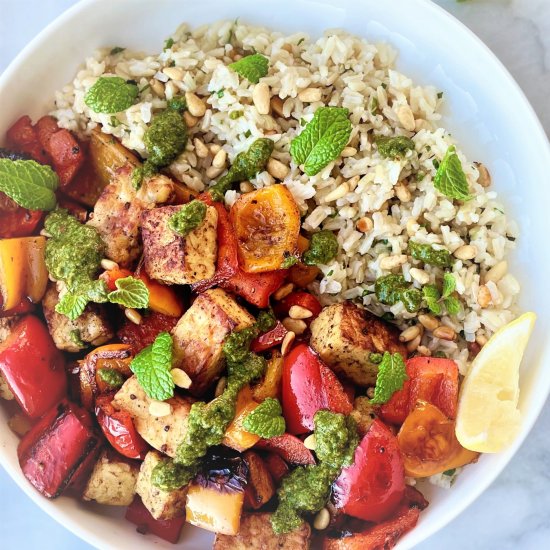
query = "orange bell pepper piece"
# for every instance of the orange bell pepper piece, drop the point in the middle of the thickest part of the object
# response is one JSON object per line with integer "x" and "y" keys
{"x": 162, "y": 298}
{"x": 236, "y": 436}
{"x": 270, "y": 386}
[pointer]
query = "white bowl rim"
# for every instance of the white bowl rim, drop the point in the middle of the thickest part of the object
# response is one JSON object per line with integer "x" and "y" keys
{"x": 87, "y": 534}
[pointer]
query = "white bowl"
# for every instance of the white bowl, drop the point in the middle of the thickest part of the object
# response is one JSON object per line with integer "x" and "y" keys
{"x": 486, "y": 112}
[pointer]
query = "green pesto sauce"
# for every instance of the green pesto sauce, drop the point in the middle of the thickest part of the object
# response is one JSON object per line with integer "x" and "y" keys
{"x": 73, "y": 252}
{"x": 187, "y": 218}
{"x": 166, "y": 138}
{"x": 322, "y": 249}
{"x": 394, "y": 147}
{"x": 112, "y": 377}
{"x": 208, "y": 422}
{"x": 307, "y": 488}
{"x": 245, "y": 166}
{"x": 427, "y": 254}
{"x": 391, "y": 289}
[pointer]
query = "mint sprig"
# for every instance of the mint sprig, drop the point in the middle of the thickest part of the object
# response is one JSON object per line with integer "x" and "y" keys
{"x": 30, "y": 184}
{"x": 72, "y": 305}
{"x": 131, "y": 292}
{"x": 392, "y": 373}
{"x": 266, "y": 420}
{"x": 152, "y": 368}
{"x": 252, "y": 67}
{"x": 111, "y": 94}
{"x": 322, "y": 140}
{"x": 434, "y": 297}
{"x": 450, "y": 179}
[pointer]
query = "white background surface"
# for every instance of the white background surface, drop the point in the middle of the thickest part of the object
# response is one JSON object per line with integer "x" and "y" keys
{"x": 514, "y": 512}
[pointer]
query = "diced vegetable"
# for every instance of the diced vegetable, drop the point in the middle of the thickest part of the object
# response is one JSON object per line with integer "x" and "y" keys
{"x": 373, "y": 486}
{"x": 33, "y": 367}
{"x": 260, "y": 487}
{"x": 288, "y": 447}
{"x": 23, "y": 271}
{"x": 300, "y": 274}
{"x": 16, "y": 220}
{"x": 277, "y": 467}
{"x": 270, "y": 386}
{"x": 23, "y": 137}
{"x": 162, "y": 299}
{"x": 168, "y": 530}
{"x": 267, "y": 224}
{"x": 428, "y": 442}
{"x": 143, "y": 335}
{"x": 236, "y": 436}
{"x": 269, "y": 339}
{"x": 302, "y": 299}
{"x": 52, "y": 452}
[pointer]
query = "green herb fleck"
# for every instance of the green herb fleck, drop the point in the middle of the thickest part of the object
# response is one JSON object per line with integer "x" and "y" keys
{"x": 28, "y": 183}
{"x": 252, "y": 67}
{"x": 111, "y": 377}
{"x": 429, "y": 255}
{"x": 450, "y": 179}
{"x": 391, "y": 376}
{"x": 420, "y": 176}
{"x": 322, "y": 140}
{"x": 289, "y": 261}
{"x": 130, "y": 292}
{"x": 187, "y": 218}
{"x": 234, "y": 115}
{"x": 111, "y": 94}
{"x": 116, "y": 49}
{"x": 74, "y": 337}
{"x": 391, "y": 289}
{"x": 220, "y": 93}
{"x": 168, "y": 43}
{"x": 301, "y": 41}
{"x": 323, "y": 248}
{"x": 266, "y": 419}
{"x": 375, "y": 358}
{"x": 394, "y": 147}
{"x": 452, "y": 471}
{"x": 439, "y": 95}
{"x": 373, "y": 107}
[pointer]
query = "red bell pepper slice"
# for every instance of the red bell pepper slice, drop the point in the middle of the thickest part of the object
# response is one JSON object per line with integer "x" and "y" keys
{"x": 33, "y": 367}
{"x": 373, "y": 486}
{"x": 53, "y": 452}
{"x": 168, "y": 530}
{"x": 23, "y": 137}
{"x": 269, "y": 339}
{"x": 309, "y": 386}
{"x": 255, "y": 288}
{"x": 277, "y": 467}
{"x": 288, "y": 447}
{"x": 119, "y": 429}
{"x": 302, "y": 299}
{"x": 143, "y": 335}
{"x": 24, "y": 306}
{"x": 431, "y": 379}
{"x": 17, "y": 221}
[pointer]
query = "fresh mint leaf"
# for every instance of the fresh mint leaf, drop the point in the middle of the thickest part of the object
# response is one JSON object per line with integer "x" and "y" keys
{"x": 391, "y": 376}
{"x": 431, "y": 297}
{"x": 152, "y": 368}
{"x": 450, "y": 179}
{"x": 452, "y": 305}
{"x": 429, "y": 255}
{"x": 266, "y": 420}
{"x": 72, "y": 305}
{"x": 187, "y": 218}
{"x": 252, "y": 67}
{"x": 322, "y": 140}
{"x": 394, "y": 147}
{"x": 130, "y": 292}
{"x": 111, "y": 94}
{"x": 449, "y": 285}
{"x": 30, "y": 184}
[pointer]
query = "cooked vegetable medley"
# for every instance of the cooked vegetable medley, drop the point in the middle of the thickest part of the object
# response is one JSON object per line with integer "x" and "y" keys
{"x": 240, "y": 284}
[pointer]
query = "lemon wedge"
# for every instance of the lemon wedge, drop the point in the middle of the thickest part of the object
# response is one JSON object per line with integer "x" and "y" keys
{"x": 488, "y": 419}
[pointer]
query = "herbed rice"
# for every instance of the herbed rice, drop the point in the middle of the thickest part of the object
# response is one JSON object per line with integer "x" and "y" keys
{"x": 351, "y": 73}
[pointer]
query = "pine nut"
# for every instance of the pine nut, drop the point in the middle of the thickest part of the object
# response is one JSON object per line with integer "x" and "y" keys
{"x": 424, "y": 350}
{"x": 157, "y": 86}
{"x": 310, "y": 442}
{"x": 213, "y": 172}
{"x": 44, "y": 233}
{"x": 288, "y": 340}
{"x": 406, "y": 117}
{"x": 419, "y": 275}
{"x": 299, "y": 312}
{"x": 484, "y": 296}
{"x": 220, "y": 158}
{"x": 413, "y": 344}
{"x": 322, "y": 520}
{"x": 283, "y": 292}
{"x": 181, "y": 378}
{"x": 348, "y": 152}
{"x": 190, "y": 120}
{"x": 261, "y": 98}
{"x": 277, "y": 169}
{"x": 297, "y": 326}
{"x": 310, "y": 95}
{"x": 220, "y": 386}
{"x": 496, "y": 273}
{"x": 481, "y": 340}
{"x": 19, "y": 424}
{"x": 365, "y": 225}
{"x": 246, "y": 187}
{"x": 409, "y": 334}
{"x": 133, "y": 315}
{"x": 391, "y": 262}
{"x": 108, "y": 265}
{"x": 214, "y": 148}
{"x": 337, "y": 193}
{"x": 402, "y": 192}
{"x": 159, "y": 408}
{"x": 429, "y": 322}
{"x": 201, "y": 149}
{"x": 444, "y": 333}
{"x": 277, "y": 105}
{"x": 174, "y": 73}
{"x": 484, "y": 178}
{"x": 196, "y": 106}
{"x": 412, "y": 227}
{"x": 465, "y": 252}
